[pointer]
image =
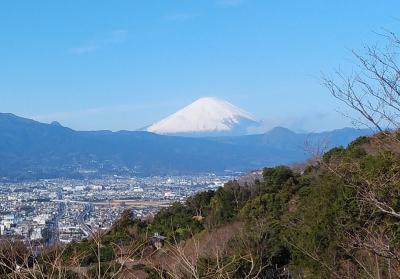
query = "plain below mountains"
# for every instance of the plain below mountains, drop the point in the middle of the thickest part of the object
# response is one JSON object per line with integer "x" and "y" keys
{"x": 30, "y": 149}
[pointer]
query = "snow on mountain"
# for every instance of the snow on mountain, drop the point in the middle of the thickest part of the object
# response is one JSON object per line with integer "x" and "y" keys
{"x": 206, "y": 116}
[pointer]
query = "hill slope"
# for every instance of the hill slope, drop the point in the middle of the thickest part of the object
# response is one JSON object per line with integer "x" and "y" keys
{"x": 339, "y": 218}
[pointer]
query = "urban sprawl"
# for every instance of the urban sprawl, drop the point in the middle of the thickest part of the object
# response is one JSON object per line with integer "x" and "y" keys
{"x": 47, "y": 212}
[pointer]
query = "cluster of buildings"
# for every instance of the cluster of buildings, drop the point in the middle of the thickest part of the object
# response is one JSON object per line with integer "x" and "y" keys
{"x": 64, "y": 210}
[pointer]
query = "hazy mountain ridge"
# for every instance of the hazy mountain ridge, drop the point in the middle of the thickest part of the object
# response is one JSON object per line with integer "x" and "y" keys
{"x": 33, "y": 149}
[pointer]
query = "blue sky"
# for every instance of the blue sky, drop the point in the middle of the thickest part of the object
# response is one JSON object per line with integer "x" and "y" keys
{"x": 124, "y": 64}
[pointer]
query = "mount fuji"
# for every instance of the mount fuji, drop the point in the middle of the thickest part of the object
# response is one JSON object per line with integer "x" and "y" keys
{"x": 208, "y": 116}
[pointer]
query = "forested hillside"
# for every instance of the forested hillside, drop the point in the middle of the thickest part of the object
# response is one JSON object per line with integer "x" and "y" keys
{"x": 339, "y": 218}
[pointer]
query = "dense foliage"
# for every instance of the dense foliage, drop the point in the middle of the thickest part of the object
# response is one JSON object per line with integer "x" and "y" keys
{"x": 336, "y": 219}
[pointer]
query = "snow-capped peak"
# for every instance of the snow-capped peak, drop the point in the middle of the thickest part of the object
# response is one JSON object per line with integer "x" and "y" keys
{"x": 205, "y": 115}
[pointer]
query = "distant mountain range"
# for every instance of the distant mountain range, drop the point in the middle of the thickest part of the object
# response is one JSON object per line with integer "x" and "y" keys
{"x": 208, "y": 116}
{"x": 30, "y": 149}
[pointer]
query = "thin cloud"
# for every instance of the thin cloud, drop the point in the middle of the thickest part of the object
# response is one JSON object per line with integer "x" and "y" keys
{"x": 181, "y": 16}
{"x": 66, "y": 117}
{"x": 115, "y": 37}
{"x": 84, "y": 49}
{"x": 301, "y": 122}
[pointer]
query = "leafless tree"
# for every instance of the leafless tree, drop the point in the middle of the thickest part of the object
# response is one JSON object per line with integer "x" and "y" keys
{"x": 20, "y": 260}
{"x": 373, "y": 90}
{"x": 193, "y": 258}
{"x": 373, "y": 93}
